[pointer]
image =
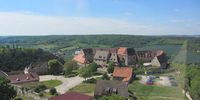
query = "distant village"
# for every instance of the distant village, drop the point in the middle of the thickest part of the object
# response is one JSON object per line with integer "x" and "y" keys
{"x": 125, "y": 61}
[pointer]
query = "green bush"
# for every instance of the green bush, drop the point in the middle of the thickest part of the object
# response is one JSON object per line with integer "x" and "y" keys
{"x": 40, "y": 88}
{"x": 92, "y": 80}
{"x": 41, "y": 94}
{"x": 53, "y": 91}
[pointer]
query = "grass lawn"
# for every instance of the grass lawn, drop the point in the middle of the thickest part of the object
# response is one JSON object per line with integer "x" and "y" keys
{"x": 146, "y": 92}
{"x": 85, "y": 88}
{"x": 51, "y": 83}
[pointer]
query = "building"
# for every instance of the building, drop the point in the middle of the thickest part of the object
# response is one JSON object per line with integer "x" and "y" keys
{"x": 160, "y": 60}
{"x": 23, "y": 78}
{"x": 109, "y": 87}
{"x": 124, "y": 74}
{"x": 40, "y": 68}
{"x": 72, "y": 96}
{"x": 127, "y": 56}
{"x": 80, "y": 59}
{"x": 101, "y": 57}
{"x": 122, "y": 56}
{"x": 88, "y": 54}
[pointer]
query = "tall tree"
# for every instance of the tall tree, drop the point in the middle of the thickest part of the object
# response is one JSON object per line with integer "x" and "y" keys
{"x": 93, "y": 67}
{"x": 55, "y": 67}
{"x": 110, "y": 68}
{"x": 85, "y": 72}
{"x": 69, "y": 67}
{"x": 7, "y": 92}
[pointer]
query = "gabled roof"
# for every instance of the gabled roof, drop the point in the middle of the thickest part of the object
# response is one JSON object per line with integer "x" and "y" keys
{"x": 122, "y": 51}
{"x": 72, "y": 96}
{"x": 22, "y": 78}
{"x": 80, "y": 58}
{"x": 101, "y": 55}
{"x": 124, "y": 72}
{"x": 102, "y": 86}
{"x": 162, "y": 58}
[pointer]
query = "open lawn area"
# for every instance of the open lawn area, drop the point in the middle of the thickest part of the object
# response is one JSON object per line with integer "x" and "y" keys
{"x": 147, "y": 92}
{"x": 85, "y": 88}
{"x": 49, "y": 84}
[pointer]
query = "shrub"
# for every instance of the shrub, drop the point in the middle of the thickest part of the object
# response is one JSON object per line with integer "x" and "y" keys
{"x": 92, "y": 80}
{"x": 53, "y": 91}
{"x": 41, "y": 94}
{"x": 105, "y": 77}
{"x": 40, "y": 88}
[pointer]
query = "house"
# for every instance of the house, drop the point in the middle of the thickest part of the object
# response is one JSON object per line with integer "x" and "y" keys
{"x": 101, "y": 57}
{"x": 130, "y": 58}
{"x": 145, "y": 56}
{"x": 84, "y": 56}
{"x": 80, "y": 59}
{"x": 72, "y": 96}
{"x": 40, "y": 68}
{"x": 23, "y": 78}
{"x": 3, "y": 74}
{"x": 89, "y": 54}
{"x": 124, "y": 74}
{"x": 160, "y": 60}
{"x": 109, "y": 87}
{"x": 127, "y": 55}
{"x": 113, "y": 56}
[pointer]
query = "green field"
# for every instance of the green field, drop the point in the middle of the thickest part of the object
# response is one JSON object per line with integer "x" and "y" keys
{"x": 146, "y": 92}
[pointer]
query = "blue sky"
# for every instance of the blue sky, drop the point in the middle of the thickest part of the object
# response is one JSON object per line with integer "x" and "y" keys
{"x": 137, "y": 17}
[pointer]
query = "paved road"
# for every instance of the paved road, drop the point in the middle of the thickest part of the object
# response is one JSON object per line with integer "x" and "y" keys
{"x": 67, "y": 83}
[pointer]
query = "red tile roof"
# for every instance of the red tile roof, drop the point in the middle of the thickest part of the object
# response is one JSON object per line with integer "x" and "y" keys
{"x": 122, "y": 51}
{"x": 22, "y": 78}
{"x": 80, "y": 58}
{"x": 124, "y": 72}
{"x": 72, "y": 96}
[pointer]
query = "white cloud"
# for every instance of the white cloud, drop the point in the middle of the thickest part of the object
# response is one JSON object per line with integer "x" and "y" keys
{"x": 14, "y": 23}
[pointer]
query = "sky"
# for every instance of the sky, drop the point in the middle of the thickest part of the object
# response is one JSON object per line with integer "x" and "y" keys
{"x": 67, "y": 17}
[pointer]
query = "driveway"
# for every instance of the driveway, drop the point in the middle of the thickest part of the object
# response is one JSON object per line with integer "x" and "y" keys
{"x": 67, "y": 83}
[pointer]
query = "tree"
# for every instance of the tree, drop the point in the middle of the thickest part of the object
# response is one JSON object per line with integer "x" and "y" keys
{"x": 112, "y": 97}
{"x": 110, "y": 68}
{"x": 85, "y": 72}
{"x": 7, "y": 92}
{"x": 105, "y": 76}
{"x": 55, "y": 67}
{"x": 93, "y": 67}
{"x": 53, "y": 91}
{"x": 69, "y": 67}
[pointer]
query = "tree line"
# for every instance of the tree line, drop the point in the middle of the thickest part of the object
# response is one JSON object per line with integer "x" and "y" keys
{"x": 15, "y": 58}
